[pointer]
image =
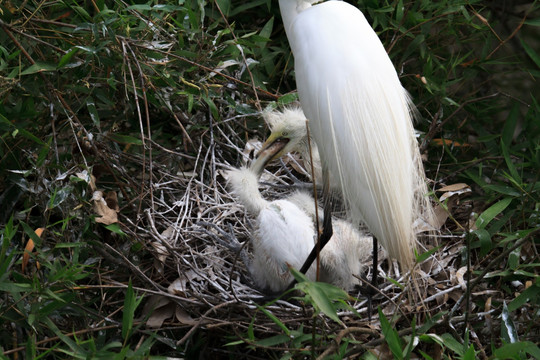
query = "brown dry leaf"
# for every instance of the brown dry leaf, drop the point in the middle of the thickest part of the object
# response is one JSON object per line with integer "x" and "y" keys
{"x": 459, "y": 277}
{"x": 447, "y": 142}
{"x": 160, "y": 308}
{"x": 454, "y": 187}
{"x": 159, "y": 315}
{"x": 106, "y": 215}
{"x": 184, "y": 317}
{"x": 440, "y": 215}
{"x": 179, "y": 286}
{"x": 161, "y": 249}
{"x": 29, "y": 248}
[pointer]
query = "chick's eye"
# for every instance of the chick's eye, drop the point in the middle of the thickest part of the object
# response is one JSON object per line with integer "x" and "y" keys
{"x": 284, "y": 134}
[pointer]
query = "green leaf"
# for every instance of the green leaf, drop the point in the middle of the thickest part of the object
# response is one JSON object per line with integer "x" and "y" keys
{"x": 288, "y": 98}
{"x": 489, "y": 214}
{"x": 14, "y": 288}
{"x": 130, "y": 304}
{"x": 67, "y": 57}
{"x": 39, "y": 67}
{"x": 510, "y": 125}
{"x": 531, "y": 294}
{"x": 274, "y": 340}
{"x": 510, "y": 351}
{"x": 322, "y": 295}
{"x": 126, "y": 139}
{"x": 115, "y": 228}
{"x": 508, "y": 329}
{"x": 225, "y": 6}
{"x": 452, "y": 344}
{"x": 421, "y": 257}
{"x": 485, "y": 241}
{"x": 532, "y": 54}
{"x": 470, "y": 354}
{"x": 506, "y": 153}
{"x": 390, "y": 336}
{"x": 275, "y": 320}
{"x": 92, "y": 110}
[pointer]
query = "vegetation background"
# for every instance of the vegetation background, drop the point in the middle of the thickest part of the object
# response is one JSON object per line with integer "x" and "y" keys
{"x": 117, "y": 119}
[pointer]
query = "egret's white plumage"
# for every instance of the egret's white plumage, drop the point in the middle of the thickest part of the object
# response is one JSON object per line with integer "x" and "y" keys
{"x": 359, "y": 116}
{"x": 290, "y": 123}
{"x": 284, "y": 234}
{"x": 346, "y": 250}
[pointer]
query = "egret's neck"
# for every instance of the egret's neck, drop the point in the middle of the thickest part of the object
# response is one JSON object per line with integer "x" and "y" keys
{"x": 290, "y": 9}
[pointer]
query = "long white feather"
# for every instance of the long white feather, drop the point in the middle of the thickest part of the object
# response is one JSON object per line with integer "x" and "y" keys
{"x": 360, "y": 118}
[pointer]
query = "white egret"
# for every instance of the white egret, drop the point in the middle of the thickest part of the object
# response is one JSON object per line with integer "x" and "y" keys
{"x": 360, "y": 118}
{"x": 286, "y": 234}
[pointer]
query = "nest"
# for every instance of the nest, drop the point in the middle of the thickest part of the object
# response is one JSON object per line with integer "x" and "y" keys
{"x": 190, "y": 225}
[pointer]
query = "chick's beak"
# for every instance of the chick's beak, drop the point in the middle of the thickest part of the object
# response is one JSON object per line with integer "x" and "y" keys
{"x": 270, "y": 150}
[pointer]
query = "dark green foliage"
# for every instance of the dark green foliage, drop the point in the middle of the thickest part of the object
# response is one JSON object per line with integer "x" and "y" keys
{"x": 134, "y": 93}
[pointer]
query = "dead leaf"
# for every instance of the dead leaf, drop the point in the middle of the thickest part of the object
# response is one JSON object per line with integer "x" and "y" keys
{"x": 160, "y": 309}
{"x": 179, "y": 286}
{"x": 447, "y": 142}
{"x": 454, "y": 187}
{"x": 440, "y": 215}
{"x": 162, "y": 251}
{"x": 106, "y": 215}
{"x": 459, "y": 277}
{"x": 29, "y": 248}
{"x": 184, "y": 317}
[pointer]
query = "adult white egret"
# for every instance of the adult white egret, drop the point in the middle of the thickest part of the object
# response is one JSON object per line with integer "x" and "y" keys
{"x": 286, "y": 234}
{"x": 359, "y": 116}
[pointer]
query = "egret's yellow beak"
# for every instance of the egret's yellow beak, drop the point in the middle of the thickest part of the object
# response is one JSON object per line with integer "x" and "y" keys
{"x": 271, "y": 149}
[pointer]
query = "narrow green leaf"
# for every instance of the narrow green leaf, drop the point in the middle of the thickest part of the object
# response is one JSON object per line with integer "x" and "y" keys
{"x": 390, "y": 336}
{"x": 115, "y": 228}
{"x": 509, "y": 351}
{"x": 14, "y": 288}
{"x": 508, "y": 329}
{"x": 92, "y": 110}
{"x": 489, "y": 214}
{"x": 485, "y": 241}
{"x": 274, "y": 340}
{"x": 126, "y": 139}
{"x": 421, "y": 257}
{"x": 470, "y": 354}
{"x": 129, "y": 311}
{"x": 532, "y": 54}
{"x": 67, "y": 57}
{"x": 513, "y": 171}
{"x": 510, "y": 125}
{"x": 39, "y": 67}
{"x": 531, "y": 294}
{"x": 451, "y": 343}
{"x": 275, "y": 320}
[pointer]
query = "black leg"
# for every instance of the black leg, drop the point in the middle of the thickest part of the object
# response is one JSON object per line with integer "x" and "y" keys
{"x": 326, "y": 234}
{"x": 372, "y": 289}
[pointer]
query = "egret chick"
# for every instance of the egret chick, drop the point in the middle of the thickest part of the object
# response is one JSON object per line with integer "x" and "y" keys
{"x": 284, "y": 233}
{"x": 346, "y": 251}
